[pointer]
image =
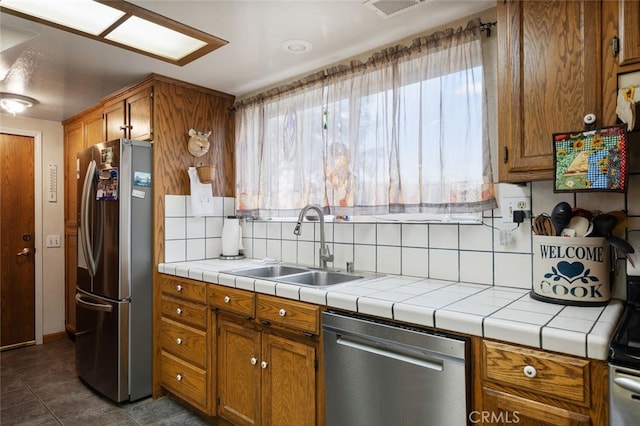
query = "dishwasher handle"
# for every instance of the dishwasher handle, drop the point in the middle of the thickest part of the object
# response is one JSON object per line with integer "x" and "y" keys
{"x": 391, "y": 351}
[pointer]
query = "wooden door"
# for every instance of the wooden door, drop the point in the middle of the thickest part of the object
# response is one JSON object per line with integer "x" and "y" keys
{"x": 238, "y": 372}
{"x": 139, "y": 115}
{"x": 288, "y": 382}
{"x": 549, "y": 78}
{"x": 501, "y": 408}
{"x": 114, "y": 120}
{"x": 17, "y": 237}
{"x": 629, "y": 32}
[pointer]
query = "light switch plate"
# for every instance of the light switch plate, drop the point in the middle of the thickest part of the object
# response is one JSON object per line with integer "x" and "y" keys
{"x": 53, "y": 240}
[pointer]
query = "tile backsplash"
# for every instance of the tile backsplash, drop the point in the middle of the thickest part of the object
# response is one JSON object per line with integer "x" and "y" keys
{"x": 474, "y": 253}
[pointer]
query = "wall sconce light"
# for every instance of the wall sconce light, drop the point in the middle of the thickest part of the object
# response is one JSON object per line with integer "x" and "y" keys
{"x": 15, "y": 104}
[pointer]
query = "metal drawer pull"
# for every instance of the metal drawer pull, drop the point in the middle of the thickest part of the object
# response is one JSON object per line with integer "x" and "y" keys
{"x": 530, "y": 371}
{"x": 179, "y": 377}
{"x": 179, "y": 311}
{"x": 282, "y": 312}
{"x": 178, "y": 287}
{"x": 264, "y": 364}
{"x": 227, "y": 299}
{"x": 254, "y": 361}
{"x": 179, "y": 340}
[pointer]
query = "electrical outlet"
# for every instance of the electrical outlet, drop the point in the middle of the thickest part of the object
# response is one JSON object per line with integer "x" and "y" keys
{"x": 53, "y": 240}
{"x": 510, "y": 204}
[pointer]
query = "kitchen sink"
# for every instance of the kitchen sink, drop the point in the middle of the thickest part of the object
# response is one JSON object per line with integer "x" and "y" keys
{"x": 271, "y": 271}
{"x": 298, "y": 275}
{"x": 320, "y": 278}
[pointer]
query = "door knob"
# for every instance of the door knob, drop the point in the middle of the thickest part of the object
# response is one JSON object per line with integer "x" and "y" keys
{"x": 25, "y": 252}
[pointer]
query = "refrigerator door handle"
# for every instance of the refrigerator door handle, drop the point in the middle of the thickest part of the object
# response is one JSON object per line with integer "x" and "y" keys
{"x": 84, "y": 218}
{"x": 102, "y": 307}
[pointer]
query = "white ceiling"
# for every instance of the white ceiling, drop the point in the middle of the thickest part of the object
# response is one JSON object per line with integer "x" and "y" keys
{"x": 67, "y": 73}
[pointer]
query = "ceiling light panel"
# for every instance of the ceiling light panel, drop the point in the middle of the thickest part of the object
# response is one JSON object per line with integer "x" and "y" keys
{"x": 83, "y": 15}
{"x": 122, "y": 24}
{"x": 153, "y": 38}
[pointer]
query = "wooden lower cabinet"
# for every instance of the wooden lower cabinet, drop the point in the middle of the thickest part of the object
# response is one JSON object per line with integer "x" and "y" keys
{"x": 525, "y": 386}
{"x": 184, "y": 343}
{"x": 268, "y": 360}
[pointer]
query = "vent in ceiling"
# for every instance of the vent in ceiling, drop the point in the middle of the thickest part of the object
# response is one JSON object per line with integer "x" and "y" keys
{"x": 391, "y": 8}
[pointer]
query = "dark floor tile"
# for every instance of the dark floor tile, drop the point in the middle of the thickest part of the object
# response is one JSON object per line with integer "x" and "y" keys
{"x": 32, "y": 413}
{"x": 17, "y": 396}
{"x": 151, "y": 412}
{"x": 10, "y": 380}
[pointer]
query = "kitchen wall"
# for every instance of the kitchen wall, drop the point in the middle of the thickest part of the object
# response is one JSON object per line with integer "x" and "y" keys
{"x": 473, "y": 253}
{"x": 50, "y": 273}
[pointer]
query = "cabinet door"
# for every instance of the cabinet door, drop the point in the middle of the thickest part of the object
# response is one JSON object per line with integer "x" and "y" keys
{"x": 548, "y": 80}
{"x": 501, "y": 408}
{"x": 288, "y": 382}
{"x": 73, "y": 142}
{"x": 114, "y": 120}
{"x": 93, "y": 129}
{"x": 139, "y": 109}
{"x": 238, "y": 372}
{"x": 629, "y": 32}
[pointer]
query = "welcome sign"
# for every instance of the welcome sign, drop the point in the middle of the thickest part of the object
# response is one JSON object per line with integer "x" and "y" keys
{"x": 571, "y": 271}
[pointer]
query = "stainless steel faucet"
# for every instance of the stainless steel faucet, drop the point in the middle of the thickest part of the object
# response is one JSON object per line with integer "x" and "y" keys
{"x": 324, "y": 253}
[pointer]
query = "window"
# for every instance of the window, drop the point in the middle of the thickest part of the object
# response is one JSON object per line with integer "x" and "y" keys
{"x": 404, "y": 132}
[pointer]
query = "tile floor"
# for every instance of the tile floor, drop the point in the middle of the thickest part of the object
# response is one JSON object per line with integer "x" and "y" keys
{"x": 39, "y": 387}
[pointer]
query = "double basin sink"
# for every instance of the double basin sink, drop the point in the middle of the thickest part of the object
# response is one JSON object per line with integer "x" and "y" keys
{"x": 297, "y": 275}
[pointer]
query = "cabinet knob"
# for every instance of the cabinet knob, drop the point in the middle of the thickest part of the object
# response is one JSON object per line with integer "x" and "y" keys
{"x": 179, "y": 341}
{"x": 179, "y": 311}
{"x": 282, "y": 312}
{"x": 179, "y": 377}
{"x": 178, "y": 287}
{"x": 227, "y": 299}
{"x": 254, "y": 361}
{"x": 530, "y": 371}
{"x": 264, "y": 364}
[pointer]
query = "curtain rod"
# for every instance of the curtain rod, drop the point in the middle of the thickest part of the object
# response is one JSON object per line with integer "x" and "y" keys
{"x": 487, "y": 27}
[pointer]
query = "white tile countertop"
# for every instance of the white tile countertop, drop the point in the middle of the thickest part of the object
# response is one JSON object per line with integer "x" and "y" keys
{"x": 502, "y": 313}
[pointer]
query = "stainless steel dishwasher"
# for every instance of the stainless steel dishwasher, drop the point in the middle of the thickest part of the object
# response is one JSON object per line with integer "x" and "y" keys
{"x": 381, "y": 373}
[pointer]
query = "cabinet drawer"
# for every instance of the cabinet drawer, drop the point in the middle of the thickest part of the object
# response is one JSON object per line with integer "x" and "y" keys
{"x": 186, "y": 312}
{"x": 289, "y": 313}
{"x": 184, "y": 289}
{"x": 537, "y": 371}
{"x": 185, "y": 380}
{"x": 233, "y": 300}
{"x": 185, "y": 342}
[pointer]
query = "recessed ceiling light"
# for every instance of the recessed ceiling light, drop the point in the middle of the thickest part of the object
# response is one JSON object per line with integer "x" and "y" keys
{"x": 296, "y": 46}
{"x": 121, "y": 24}
{"x": 15, "y": 104}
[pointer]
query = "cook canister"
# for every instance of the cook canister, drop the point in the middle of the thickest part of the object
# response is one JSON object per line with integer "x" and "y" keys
{"x": 571, "y": 270}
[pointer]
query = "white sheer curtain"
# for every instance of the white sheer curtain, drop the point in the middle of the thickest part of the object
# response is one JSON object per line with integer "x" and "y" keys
{"x": 404, "y": 132}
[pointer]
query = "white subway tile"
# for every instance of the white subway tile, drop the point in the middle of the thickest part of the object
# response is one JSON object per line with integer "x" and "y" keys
{"x": 364, "y": 233}
{"x": 415, "y": 235}
{"x": 175, "y": 228}
{"x": 388, "y": 234}
{"x": 443, "y": 264}
{"x": 343, "y": 232}
{"x": 175, "y": 206}
{"x": 443, "y": 236}
{"x": 388, "y": 260}
{"x": 476, "y": 237}
{"x": 214, "y": 227}
{"x": 415, "y": 262}
{"x": 365, "y": 257}
{"x": 175, "y": 251}
{"x": 196, "y": 249}
{"x": 476, "y": 267}
{"x": 512, "y": 270}
{"x": 196, "y": 227}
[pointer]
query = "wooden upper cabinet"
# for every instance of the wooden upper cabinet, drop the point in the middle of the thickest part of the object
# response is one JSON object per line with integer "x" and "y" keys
{"x": 73, "y": 142}
{"x": 548, "y": 80}
{"x": 629, "y": 15}
{"x": 620, "y": 50}
{"x": 130, "y": 117}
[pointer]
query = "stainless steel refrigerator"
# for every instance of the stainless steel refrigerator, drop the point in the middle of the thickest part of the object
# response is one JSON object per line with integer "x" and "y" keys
{"x": 115, "y": 256}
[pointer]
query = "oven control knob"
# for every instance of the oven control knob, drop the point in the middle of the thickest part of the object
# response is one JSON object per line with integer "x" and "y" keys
{"x": 530, "y": 371}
